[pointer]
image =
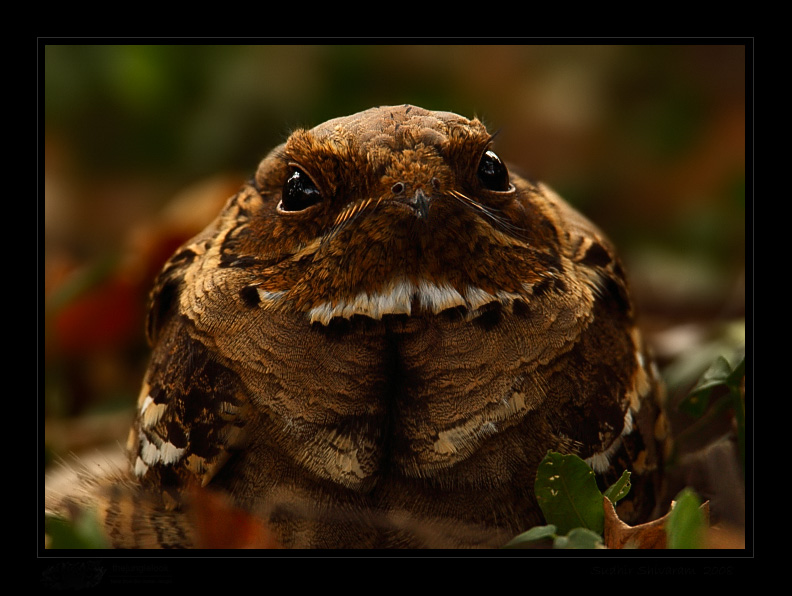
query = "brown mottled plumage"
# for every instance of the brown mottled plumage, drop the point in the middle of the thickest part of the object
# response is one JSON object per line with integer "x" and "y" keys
{"x": 378, "y": 340}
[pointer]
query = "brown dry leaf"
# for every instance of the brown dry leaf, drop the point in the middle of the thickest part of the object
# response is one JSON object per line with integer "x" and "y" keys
{"x": 221, "y": 525}
{"x": 651, "y": 535}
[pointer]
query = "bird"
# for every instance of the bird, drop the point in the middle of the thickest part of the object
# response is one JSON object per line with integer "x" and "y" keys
{"x": 377, "y": 341}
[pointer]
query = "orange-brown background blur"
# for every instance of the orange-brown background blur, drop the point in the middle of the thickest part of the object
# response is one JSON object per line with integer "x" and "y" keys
{"x": 142, "y": 145}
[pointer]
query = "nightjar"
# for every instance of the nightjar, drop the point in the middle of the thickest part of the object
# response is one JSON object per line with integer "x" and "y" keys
{"x": 378, "y": 340}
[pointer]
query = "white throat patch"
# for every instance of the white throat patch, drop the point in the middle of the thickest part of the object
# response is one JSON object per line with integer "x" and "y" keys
{"x": 399, "y": 297}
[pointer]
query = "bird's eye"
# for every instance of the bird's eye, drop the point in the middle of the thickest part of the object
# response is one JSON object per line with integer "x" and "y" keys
{"x": 299, "y": 192}
{"x": 492, "y": 172}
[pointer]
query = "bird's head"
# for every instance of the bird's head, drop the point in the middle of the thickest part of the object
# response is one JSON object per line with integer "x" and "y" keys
{"x": 394, "y": 210}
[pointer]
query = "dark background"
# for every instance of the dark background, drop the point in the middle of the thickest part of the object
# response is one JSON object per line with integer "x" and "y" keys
{"x": 142, "y": 144}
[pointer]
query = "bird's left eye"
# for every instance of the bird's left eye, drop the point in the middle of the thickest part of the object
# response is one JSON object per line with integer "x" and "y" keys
{"x": 492, "y": 172}
{"x": 299, "y": 192}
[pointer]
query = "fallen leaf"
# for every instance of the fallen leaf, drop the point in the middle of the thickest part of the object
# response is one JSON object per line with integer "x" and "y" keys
{"x": 221, "y": 525}
{"x": 651, "y": 535}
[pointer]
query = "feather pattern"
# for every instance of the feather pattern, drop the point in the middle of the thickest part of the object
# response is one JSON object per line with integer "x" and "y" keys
{"x": 384, "y": 333}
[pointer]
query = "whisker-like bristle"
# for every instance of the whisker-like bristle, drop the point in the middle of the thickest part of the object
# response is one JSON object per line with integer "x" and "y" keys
{"x": 355, "y": 210}
{"x": 499, "y": 221}
{"x": 350, "y": 213}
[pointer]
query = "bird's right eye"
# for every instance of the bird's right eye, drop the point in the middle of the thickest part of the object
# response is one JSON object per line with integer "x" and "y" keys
{"x": 299, "y": 192}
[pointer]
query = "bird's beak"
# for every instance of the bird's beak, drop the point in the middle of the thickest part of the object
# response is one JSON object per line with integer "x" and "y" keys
{"x": 420, "y": 204}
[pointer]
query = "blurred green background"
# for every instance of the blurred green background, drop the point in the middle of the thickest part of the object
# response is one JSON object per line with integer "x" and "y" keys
{"x": 142, "y": 145}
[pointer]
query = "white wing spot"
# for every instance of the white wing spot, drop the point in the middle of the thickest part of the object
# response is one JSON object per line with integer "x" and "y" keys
{"x": 166, "y": 452}
{"x": 148, "y": 451}
{"x": 150, "y": 414}
{"x": 140, "y": 467}
{"x": 600, "y": 462}
{"x": 146, "y": 403}
{"x": 170, "y": 454}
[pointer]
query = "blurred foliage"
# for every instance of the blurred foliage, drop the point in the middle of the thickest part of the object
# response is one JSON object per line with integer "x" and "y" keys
{"x": 718, "y": 394}
{"x": 547, "y": 536}
{"x": 687, "y": 523}
{"x": 143, "y": 143}
{"x": 81, "y": 532}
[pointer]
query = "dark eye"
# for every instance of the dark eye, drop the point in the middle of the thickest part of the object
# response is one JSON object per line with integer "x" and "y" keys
{"x": 299, "y": 192}
{"x": 492, "y": 172}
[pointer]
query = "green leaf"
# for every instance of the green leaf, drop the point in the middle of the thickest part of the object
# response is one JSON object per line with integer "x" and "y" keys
{"x": 544, "y": 535}
{"x": 686, "y": 524}
{"x": 532, "y": 537}
{"x": 619, "y": 489}
{"x": 83, "y": 532}
{"x": 737, "y": 374}
{"x": 721, "y": 373}
{"x": 567, "y": 492}
{"x": 579, "y": 538}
